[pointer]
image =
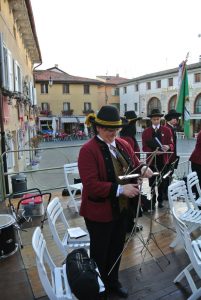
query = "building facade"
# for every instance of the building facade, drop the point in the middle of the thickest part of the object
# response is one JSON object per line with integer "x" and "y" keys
{"x": 65, "y": 100}
{"x": 19, "y": 51}
{"x": 108, "y": 92}
{"x": 159, "y": 90}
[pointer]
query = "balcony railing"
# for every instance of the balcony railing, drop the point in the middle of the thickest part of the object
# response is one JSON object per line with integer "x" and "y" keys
{"x": 67, "y": 112}
{"x": 87, "y": 111}
{"x": 46, "y": 112}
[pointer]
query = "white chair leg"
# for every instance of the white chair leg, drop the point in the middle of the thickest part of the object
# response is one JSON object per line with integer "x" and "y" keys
{"x": 175, "y": 242}
{"x": 182, "y": 274}
{"x": 72, "y": 196}
{"x": 196, "y": 295}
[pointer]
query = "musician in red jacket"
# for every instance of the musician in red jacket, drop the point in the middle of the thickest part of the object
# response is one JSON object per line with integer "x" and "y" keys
{"x": 172, "y": 119}
{"x": 195, "y": 158}
{"x": 105, "y": 198}
{"x": 128, "y": 131}
{"x": 157, "y": 137}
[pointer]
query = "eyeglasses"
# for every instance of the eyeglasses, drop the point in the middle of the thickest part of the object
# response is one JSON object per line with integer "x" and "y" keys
{"x": 111, "y": 129}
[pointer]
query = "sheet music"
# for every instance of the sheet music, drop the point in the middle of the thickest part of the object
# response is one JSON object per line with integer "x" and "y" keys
{"x": 76, "y": 232}
{"x": 159, "y": 143}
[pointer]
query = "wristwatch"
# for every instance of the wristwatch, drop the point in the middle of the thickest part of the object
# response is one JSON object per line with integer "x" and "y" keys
{"x": 121, "y": 189}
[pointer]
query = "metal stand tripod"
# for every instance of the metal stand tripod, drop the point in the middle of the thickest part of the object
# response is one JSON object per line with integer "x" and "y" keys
{"x": 151, "y": 235}
{"x": 167, "y": 175}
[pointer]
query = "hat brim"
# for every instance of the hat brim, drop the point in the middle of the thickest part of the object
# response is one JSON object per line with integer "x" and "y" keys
{"x": 110, "y": 125}
{"x": 155, "y": 115}
{"x": 175, "y": 115}
{"x": 134, "y": 120}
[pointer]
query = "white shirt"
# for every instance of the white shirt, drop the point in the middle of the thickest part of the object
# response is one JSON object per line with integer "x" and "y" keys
{"x": 119, "y": 189}
{"x": 154, "y": 126}
{"x": 113, "y": 144}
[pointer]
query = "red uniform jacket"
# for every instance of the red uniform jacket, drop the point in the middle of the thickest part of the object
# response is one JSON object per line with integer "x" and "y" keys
{"x": 196, "y": 154}
{"x": 99, "y": 201}
{"x": 133, "y": 144}
{"x": 166, "y": 139}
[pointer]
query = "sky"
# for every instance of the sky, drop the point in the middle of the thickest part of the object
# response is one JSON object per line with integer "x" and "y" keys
{"x": 131, "y": 38}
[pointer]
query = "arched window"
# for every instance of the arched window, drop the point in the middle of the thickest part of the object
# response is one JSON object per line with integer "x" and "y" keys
{"x": 172, "y": 102}
{"x": 198, "y": 104}
{"x": 153, "y": 103}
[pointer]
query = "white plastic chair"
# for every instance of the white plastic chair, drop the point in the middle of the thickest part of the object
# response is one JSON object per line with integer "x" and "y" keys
{"x": 70, "y": 169}
{"x": 193, "y": 181}
{"x": 193, "y": 249}
{"x": 56, "y": 218}
{"x": 191, "y": 216}
{"x": 56, "y": 284}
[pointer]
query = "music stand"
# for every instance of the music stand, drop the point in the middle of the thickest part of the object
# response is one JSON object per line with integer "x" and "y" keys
{"x": 151, "y": 235}
{"x": 168, "y": 174}
{"x": 134, "y": 229}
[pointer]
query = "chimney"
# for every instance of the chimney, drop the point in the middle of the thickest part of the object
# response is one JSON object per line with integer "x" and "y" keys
{"x": 56, "y": 65}
{"x": 199, "y": 58}
{"x": 117, "y": 75}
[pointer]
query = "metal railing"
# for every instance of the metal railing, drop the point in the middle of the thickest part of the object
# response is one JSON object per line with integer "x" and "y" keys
{"x": 50, "y": 171}
{"x": 50, "y": 176}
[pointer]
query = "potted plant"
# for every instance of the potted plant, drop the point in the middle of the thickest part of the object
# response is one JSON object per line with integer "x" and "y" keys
{"x": 35, "y": 141}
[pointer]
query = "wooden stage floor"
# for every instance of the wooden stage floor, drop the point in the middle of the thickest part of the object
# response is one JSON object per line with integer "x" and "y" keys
{"x": 148, "y": 278}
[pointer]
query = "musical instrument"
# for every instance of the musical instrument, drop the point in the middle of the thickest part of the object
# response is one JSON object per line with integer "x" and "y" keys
{"x": 8, "y": 245}
{"x": 130, "y": 176}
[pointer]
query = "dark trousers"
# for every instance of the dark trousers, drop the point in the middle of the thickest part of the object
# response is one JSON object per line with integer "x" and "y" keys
{"x": 106, "y": 244}
{"x": 196, "y": 168}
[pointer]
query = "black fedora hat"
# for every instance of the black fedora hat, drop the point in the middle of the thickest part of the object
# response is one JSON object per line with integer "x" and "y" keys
{"x": 131, "y": 116}
{"x": 172, "y": 114}
{"x": 155, "y": 113}
{"x": 108, "y": 116}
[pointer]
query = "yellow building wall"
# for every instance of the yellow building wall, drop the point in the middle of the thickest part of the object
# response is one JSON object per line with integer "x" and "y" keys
{"x": 76, "y": 98}
{"x": 14, "y": 43}
{"x": 19, "y": 53}
{"x": 12, "y": 39}
{"x": 105, "y": 96}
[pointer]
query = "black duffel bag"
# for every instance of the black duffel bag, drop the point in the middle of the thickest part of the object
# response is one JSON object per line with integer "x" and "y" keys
{"x": 82, "y": 275}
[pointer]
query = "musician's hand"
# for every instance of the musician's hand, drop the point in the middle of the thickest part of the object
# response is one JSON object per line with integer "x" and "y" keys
{"x": 165, "y": 148}
{"x": 130, "y": 190}
{"x": 148, "y": 173}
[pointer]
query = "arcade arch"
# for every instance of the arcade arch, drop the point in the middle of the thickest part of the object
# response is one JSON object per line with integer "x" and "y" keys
{"x": 153, "y": 103}
{"x": 172, "y": 102}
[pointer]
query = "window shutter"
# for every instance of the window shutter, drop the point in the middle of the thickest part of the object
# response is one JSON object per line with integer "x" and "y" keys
{"x": 19, "y": 78}
{"x": 5, "y": 58}
{"x": 16, "y": 88}
{"x": 2, "y": 71}
{"x": 10, "y": 72}
{"x": 31, "y": 92}
{"x": 34, "y": 96}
